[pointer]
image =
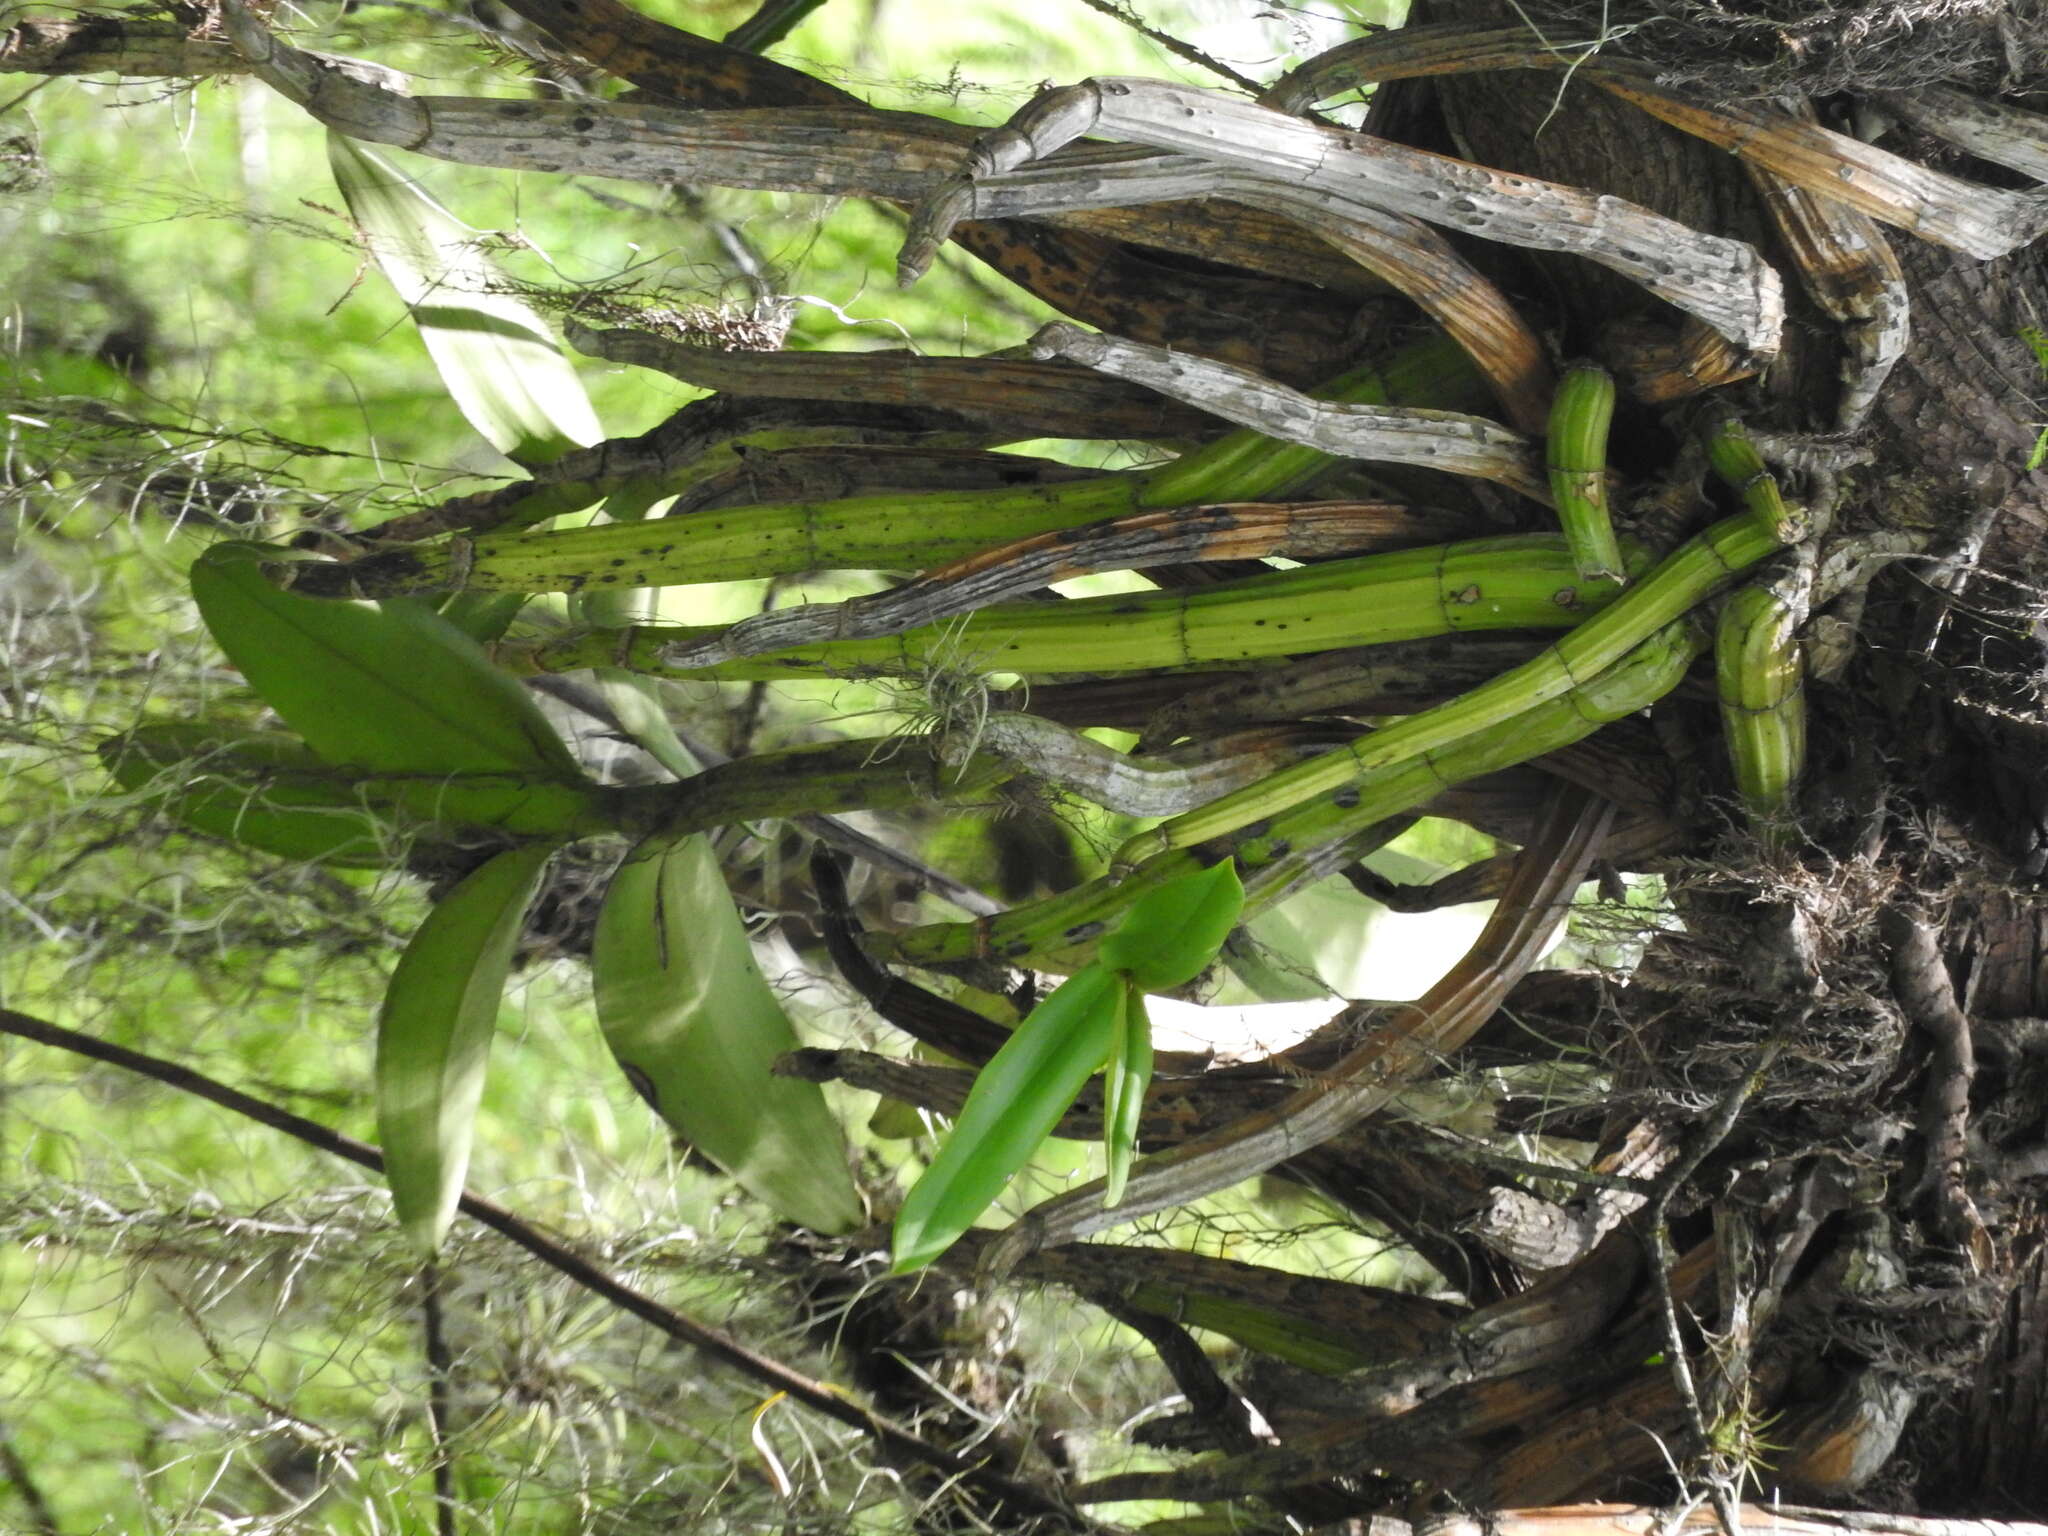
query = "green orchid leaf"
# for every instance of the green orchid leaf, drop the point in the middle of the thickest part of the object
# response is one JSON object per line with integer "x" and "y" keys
{"x": 1171, "y": 935}
{"x": 496, "y": 355}
{"x": 262, "y": 789}
{"x": 392, "y": 688}
{"x": 697, "y": 1029}
{"x": 434, "y": 1037}
{"x": 1014, "y": 1104}
{"x": 483, "y": 616}
{"x": 266, "y": 790}
{"x": 638, "y": 703}
{"x": 1124, "y": 1083}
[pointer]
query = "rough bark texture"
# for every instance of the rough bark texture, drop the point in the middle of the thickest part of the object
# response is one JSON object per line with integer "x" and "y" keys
{"x": 1930, "y": 773}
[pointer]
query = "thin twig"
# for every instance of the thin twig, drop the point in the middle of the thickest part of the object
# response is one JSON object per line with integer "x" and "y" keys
{"x": 1172, "y": 44}
{"x": 16, "y": 1471}
{"x": 439, "y": 1366}
{"x": 1234, "y": 1421}
{"x": 1022, "y": 1497}
{"x": 1467, "y": 1150}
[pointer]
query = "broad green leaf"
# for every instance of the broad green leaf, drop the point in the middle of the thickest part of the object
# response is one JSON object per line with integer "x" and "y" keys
{"x": 637, "y": 701}
{"x": 262, "y": 789}
{"x": 434, "y": 1037}
{"x": 393, "y": 688}
{"x": 1124, "y": 1082}
{"x": 1172, "y": 934}
{"x": 696, "y": 1028}
{"x": 1012, "y": 1107}
{"x": 495, "y": 353}
{"x": 266, "y": 790}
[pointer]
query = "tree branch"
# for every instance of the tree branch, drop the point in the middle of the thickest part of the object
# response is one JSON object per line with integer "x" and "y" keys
{"x": 721, "y": 1346}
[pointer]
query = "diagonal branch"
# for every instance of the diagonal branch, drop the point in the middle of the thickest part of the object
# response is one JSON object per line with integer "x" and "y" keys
{"x": 719, "y": 1345}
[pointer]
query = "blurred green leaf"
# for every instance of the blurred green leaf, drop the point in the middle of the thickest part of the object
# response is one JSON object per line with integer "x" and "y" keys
{"x": 1266, "y": 975}
{"x": 1014, "y": 1104}
{"x": 696, "y": 1028}
{"x": 262, "y": 789}
{"x": 495, "y": 353}
{"x": 637, "y": 701}
{"x": 393, "y": 688}
{"x": 483, "y": 616}
{"x": 434, "y": 1037}
{"x": 265, "y": 790}
{"x": 1171, "y": 935}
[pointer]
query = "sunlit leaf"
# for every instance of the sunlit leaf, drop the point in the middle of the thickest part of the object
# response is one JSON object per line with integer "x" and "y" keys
{"x": 496, "y": 355}
{"x": 1172, "y": 934}
{"x": 393, "y": 688}
{"x": 696, "y": 1027}
{"x": 434, "y": 1037}
{"x": 1016, "y": 1101}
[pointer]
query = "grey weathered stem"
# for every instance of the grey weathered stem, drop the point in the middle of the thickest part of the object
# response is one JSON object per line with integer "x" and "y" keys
{"x": 834, "y": 150}
{"x": 1403, "y": 251}
{"x": 1991, "y": 130}
{"x": 1848, "y": 268}
{"x": 1117, "y": 781}
{"x": 1724, "y": 282}
{"x": 1964, "y": 216}
{"x": 1446, "y": 440}
{"x": 138, "y": 48}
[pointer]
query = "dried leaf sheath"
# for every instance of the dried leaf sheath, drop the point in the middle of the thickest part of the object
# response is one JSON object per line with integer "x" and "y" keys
{"x": 1033, "y": 399}
{"x": 1180, "y": 780}
{"x": 1996, "y": 131}
{"x": 1465, "y": 445}
{"x": 1964, "y": 216}
{"x": 1849, "y": 270}
{"x": 1402, "y": 251}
